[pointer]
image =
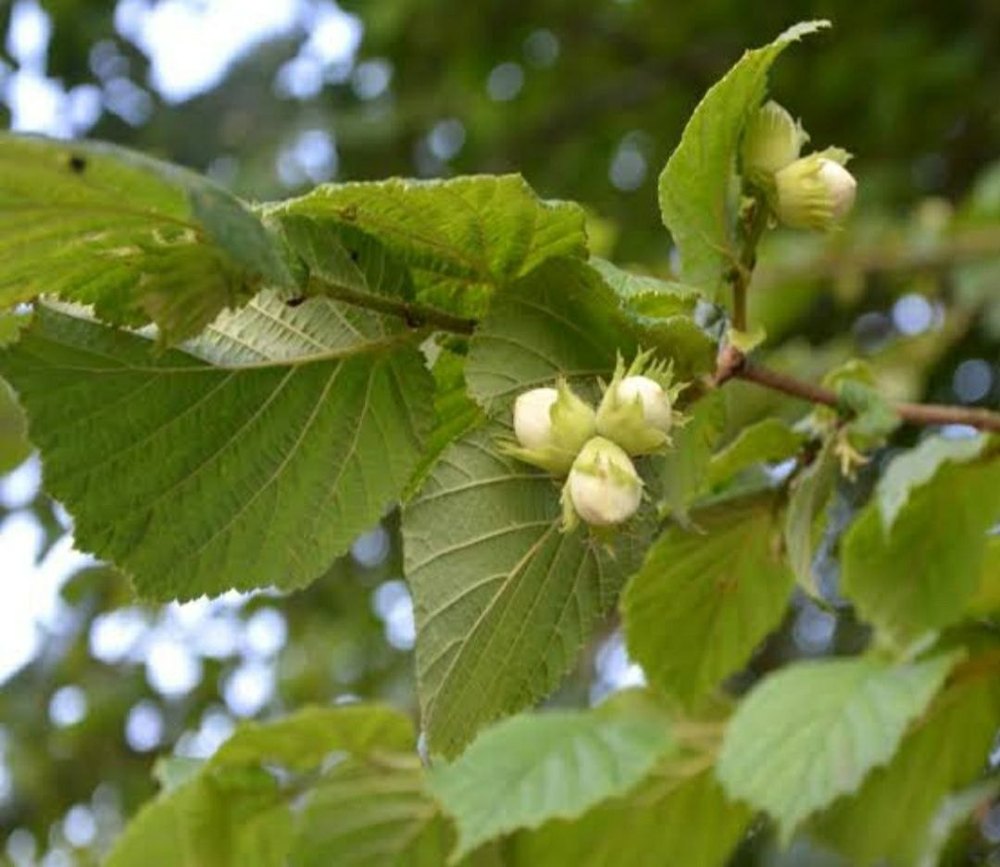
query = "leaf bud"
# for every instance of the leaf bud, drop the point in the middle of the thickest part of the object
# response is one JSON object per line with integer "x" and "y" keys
{"x": 815, "y": 192}
{"x": 551, "y": 425}
{"x": 603, "y": 488}
{"x": 771, "y": 140}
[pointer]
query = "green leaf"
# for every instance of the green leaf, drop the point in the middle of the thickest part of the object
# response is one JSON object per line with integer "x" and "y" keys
{"x": 767, "y": 440}
{"x": 809, "y": 495}
{"x": 920, "y": 575}
{"x": 303, "y": 740}
{"x": 564, "y": 320}
{"x": 14, "y": 445}
{"x": 684, "y": 469}
{"x": 344, "y": 258}
{"x": 139, "y": 239}
{"x": 698, "y": 192}
{"x": 702, "y": 602}
{"x": 365, "y": 814}
{"x": 814, "y": 730}
{"x": 915, "y": 468}
{"x": 501, "y": 596}
{"x": 234, "y": 810}
{"x": 198, "y": 477}
{"x": 889, "y": 818}
{"x": 463, "y": 237}
{"x": 457, "y": 414}
{"x": 986, "y": 600}
{"x": 665, "y": 820}
{"x": 209, "y": 823}
{"x": 557, "y": 764}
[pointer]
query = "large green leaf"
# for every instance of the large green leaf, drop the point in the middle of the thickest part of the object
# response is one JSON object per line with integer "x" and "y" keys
{"x": 139, "y": 239}
{"x": 257, "y": 469}
{"x": 462, "y": 237}
{"x": 813, "y": 731}
{"x": 556, "y": 764}
{"x": 920, "y": 574}
{"x": 563, "y": 319}
{"x": 501, "y": 596}
{"x": 703, "y": 601}
{"x": 888, "y": 820}
{"x": 699, "y": 194}
{"x": 665, "y": 820}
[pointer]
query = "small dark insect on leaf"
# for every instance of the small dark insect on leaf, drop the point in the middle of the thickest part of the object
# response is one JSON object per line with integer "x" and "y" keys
{"x": 77, "y": 164}
{"x": 355, "y": 256}
{"x": 296, "y": 301}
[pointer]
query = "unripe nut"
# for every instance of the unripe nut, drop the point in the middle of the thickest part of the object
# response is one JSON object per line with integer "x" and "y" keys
{"x": 655, "y": 401}
{"x": 532, "y": 417}
{"x": 815, "y": 192}
{"x": 603, "y": 488}
{"x": 551, "y": 425}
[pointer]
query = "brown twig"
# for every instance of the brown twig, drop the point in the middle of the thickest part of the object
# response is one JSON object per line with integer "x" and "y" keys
{"x": 732, "y": 364}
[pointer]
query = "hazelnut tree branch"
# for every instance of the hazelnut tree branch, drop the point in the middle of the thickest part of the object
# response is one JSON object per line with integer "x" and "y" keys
{"x": 733, "y": 364}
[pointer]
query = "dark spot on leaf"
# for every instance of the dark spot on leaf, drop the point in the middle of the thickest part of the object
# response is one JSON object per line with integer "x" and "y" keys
{"x": 355, "y": 255}
{"x": 295, "y": 302}
{"x": 77, "y": 164}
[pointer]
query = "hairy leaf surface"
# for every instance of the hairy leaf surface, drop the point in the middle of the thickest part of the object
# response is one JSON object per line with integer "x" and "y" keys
{"x": 259, "y": 468}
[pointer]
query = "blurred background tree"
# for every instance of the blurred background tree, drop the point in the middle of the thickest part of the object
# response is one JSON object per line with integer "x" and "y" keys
{"x": 586, "y": 99}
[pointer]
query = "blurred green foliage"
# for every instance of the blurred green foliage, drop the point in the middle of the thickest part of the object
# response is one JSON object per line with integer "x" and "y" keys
{"x": 586, "y": 99}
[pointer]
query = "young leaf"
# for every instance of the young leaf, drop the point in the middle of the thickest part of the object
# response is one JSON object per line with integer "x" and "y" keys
{"x": 139, "y": 239}
{"x": 698, "y": 196}
{"x": 463, "y": 237}
{"x": 702, "y": 602}
{"x": 813, "y": 731}
{"x": 557, "y": 764}
{"x": 501, "y": 596}
{"x": 810, "y": 494}
{"x": 664, "y": 820}
{"x": 889, "y": 818}
{"x": 767, "y": 440}
{"x": 198, "y": 477}
{"x": 920, "y": 575}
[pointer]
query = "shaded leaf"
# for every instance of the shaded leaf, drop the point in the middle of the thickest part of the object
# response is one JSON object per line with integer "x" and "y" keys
{"x": 703, "y": 601}
{"x": 563, "y": 319}
{"x": 767, "y": 440}
{"x": 814, "y": 730}
{"x": 810, "y": 493}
